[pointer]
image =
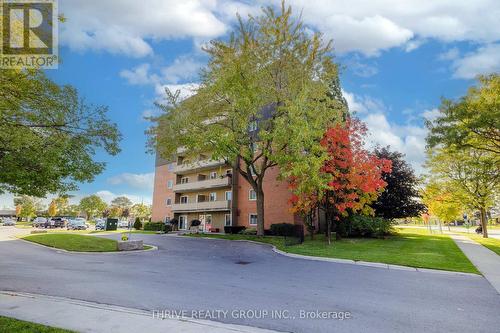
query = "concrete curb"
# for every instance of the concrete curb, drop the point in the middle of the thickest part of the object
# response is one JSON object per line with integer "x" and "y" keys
{"x": 343, "y": 261}
{"x": 153, "y": 248}
{"x": 85, "y": 316}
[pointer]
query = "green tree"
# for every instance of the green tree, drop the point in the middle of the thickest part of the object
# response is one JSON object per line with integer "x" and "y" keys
{"x": 141, "y": 211}
{"x": 442, "y": 202}
{"x": 137, "y": 224}
{"x": 49, "y": 135}
{"x": 471, "y": 122}
{"x": 122, "y": 202}
{"x": 265, "y": 100}
{"x": 62, "y": 204}
{"x": 400, "y": 197}
{"x": 92, "y": 206}
{"x": 29, "y": 206}
{"x": 71, "y": 210}
{"x": 471, "y": 174}
{"x": 114, "y": 211}
{"x": 52, "y": 211}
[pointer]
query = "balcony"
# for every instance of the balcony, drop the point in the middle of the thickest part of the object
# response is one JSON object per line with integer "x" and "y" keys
{"x": 202, "y": 206}
{"x": 203, "y": 185}
{"x": 197, "y": 166}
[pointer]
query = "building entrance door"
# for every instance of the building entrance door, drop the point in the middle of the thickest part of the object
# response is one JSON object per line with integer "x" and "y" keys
{"x": 206, "y": 222}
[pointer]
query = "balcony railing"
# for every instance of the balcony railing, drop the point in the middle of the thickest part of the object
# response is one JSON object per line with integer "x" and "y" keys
{"x": 202, "y": 206}
{"x": 198, "y": 165}
{"x": 203, "y": 184}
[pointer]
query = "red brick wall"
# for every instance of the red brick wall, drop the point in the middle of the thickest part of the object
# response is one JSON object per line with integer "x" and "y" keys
{"x": 276, "y": 196}
{"x": 161, "y": 193}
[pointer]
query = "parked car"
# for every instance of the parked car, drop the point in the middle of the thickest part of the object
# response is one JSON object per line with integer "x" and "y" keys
{"x": 8, "y": 222}
{"x": 39, "y": 222}
{"x": 57, "y": 222}
{"x": 123, "y": 224}
{"x": 77, "y": 224}
{"x": 100, "y": 224}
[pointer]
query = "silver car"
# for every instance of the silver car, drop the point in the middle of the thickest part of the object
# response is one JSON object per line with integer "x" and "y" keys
{"x": 9, "y": 222}
{"x": 77, "y": 224}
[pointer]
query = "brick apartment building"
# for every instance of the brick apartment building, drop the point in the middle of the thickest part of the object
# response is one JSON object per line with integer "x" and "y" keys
{"x": 211, "y": 192}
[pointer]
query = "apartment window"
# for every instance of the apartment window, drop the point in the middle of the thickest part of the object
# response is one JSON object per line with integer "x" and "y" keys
{"x": 170, "y": 183}
{"x": 252, "y": 126}
{"x": 213, "y": 175}
{"x": 252, "y": 195}
{"x": 201, "y": 198}
{"x": 228, "y": 195}
{"x": 227, "y": 220}
{"x": 213, "y": 196}
{"x": 252, "y": 219}
{"x": 184, "y": 199}
{"x": 184, "y": 180}
{"x": 170, "y": 166}
{"x": 169, "y": 201}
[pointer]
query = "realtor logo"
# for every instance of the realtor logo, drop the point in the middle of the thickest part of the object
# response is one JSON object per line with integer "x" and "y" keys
{"x": 28, "y": 34}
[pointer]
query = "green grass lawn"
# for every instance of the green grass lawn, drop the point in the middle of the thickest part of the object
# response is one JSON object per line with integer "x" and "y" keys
{"x": 9, "y": 325}
{"x": 74, "y": 242}
{"x": 409, "y": 247}
{"x": 491, "y": 243}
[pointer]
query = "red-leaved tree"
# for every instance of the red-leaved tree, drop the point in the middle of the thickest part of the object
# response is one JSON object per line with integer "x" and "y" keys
{"x": 353, "y": 176}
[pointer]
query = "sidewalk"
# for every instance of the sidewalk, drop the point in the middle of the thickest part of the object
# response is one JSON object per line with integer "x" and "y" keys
{"x": 485, "y": 260}
{"x": 84, "y": 316}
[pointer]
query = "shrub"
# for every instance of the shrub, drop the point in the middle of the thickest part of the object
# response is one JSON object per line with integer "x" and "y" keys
{"x": 250, "y": 231}
{"x": 168, "y": 228}
{"x": 154, "y": 226}
{"x": 137, "y": 224}
{"x": 368, "y": 226}
{"x": 233, "y": 229}
{"x": 283, "y": 229}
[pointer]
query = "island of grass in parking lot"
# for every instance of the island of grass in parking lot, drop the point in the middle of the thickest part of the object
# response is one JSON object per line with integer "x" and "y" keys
{"x": 74, "y": 242}
{"x": 407, "y": 247}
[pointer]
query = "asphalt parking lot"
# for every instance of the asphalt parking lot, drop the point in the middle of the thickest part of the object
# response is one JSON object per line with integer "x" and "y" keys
{"x": 250, "y": 280}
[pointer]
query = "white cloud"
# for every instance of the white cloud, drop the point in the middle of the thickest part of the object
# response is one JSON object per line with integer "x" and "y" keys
{"x": 139, "y": 75}
{"x": 376, "y": 25}
{"x": 363, "y": 70}
{"x": 185, "y": 90}
{"x": 406, "y": 139}
{"x": 182, "y": 68}
{"x": 414, "y": 44}
{"x": 363, "y": 104}
{"x": 431, "y": 114}
{"x": 126, "y": 26}
{"x": 108, "y": 196}
{"x": 484, "y": 60}
{"x": 451, "y": 54}
{"x": 136, "y": 180}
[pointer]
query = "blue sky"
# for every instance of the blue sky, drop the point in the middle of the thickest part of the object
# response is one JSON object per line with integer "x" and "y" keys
{"x": 398, "y": 59}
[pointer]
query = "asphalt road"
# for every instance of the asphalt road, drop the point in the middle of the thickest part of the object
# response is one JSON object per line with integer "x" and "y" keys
{"x": 200, "y": 274}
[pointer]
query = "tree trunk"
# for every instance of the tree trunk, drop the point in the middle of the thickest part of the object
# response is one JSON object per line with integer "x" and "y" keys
{"x": 484, "y": 222}
{"x": 329, "y": 231}
{"x": 260, "y": 210}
